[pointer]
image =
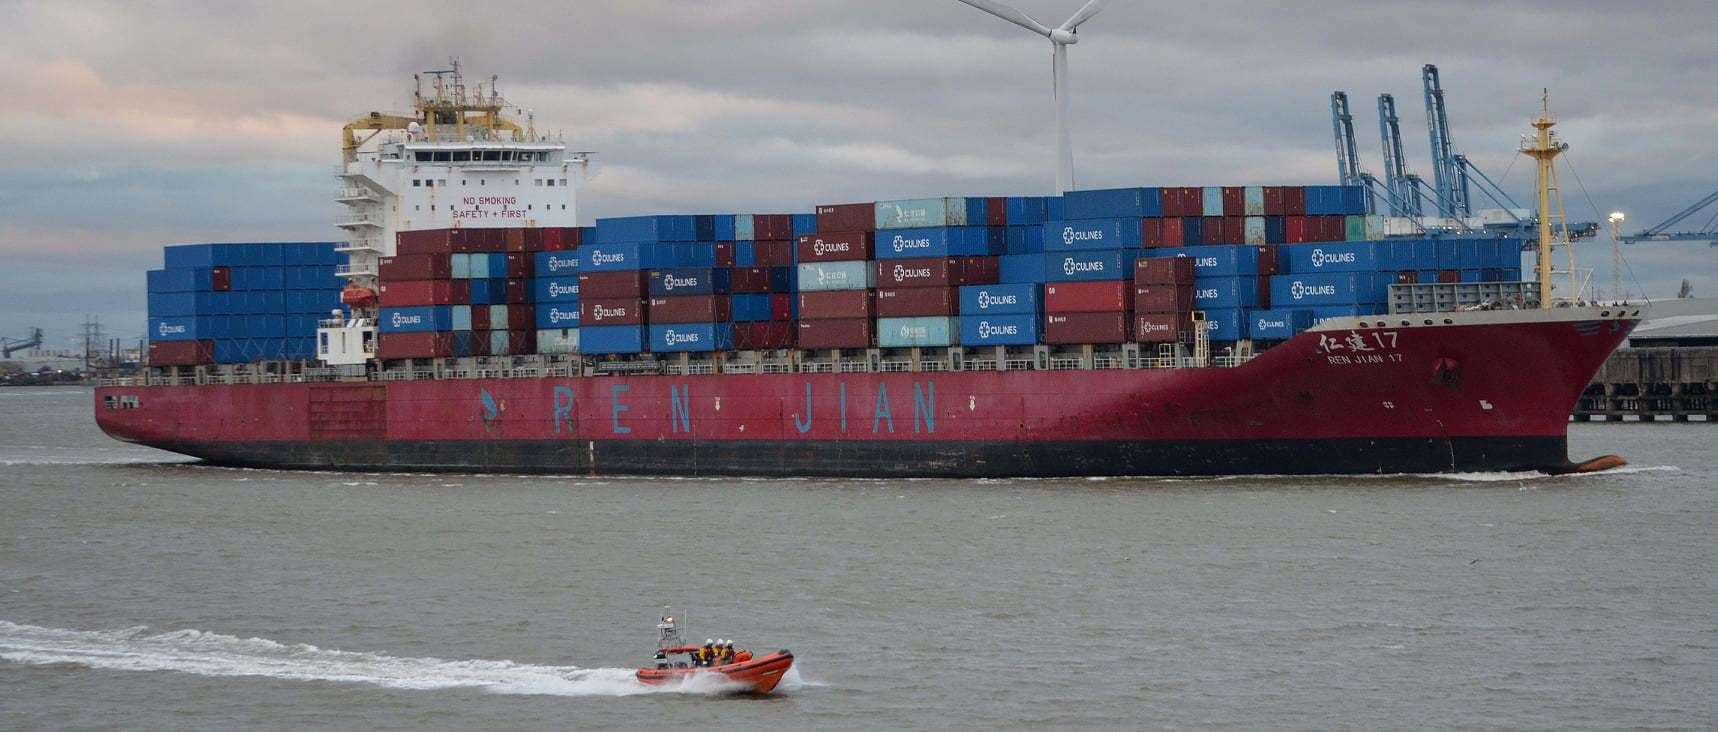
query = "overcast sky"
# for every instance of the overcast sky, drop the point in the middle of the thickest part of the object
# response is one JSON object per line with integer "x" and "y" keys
{"x": 129, "y": 125}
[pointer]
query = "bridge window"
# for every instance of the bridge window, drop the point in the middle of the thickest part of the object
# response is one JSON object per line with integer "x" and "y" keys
{"x": 563, "y": 181}
{"x": 416, "y": 183}
{"x": 463, "y": 156}
{"x": 551, "y": 182}
{"x": 422, "y": 157}
{"x": 442, "y": 156}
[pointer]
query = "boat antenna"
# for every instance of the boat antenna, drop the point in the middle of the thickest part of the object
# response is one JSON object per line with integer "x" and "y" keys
{"x": 668, "y": 629}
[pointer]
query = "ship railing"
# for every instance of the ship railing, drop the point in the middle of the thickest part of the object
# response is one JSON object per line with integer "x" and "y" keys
{"x": 1017, "y": 364}
{"x": 349, "y": 269}
{"x": 1106, "y": 362}
{"x": 980, "y": 364}
{"x": 894, "y": 366}
{"x": 1066, "y": 364}
{"x": 693, "y": 369}
{"x": 853, "y": 367}
{"x": 776, "y": 367}
{"x": 741, "y": 367}
{"x": 817, "y": 367}
{"x": 933, "y": 366}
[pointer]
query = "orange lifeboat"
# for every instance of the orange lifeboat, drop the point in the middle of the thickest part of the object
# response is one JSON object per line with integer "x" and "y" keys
{"x": 358, "y": 296}
{"x": 759, "y": 675}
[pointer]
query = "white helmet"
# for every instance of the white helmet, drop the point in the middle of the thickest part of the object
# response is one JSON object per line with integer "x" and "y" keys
{"x": 729, "y": 643}
{"x": 709, "y": 641}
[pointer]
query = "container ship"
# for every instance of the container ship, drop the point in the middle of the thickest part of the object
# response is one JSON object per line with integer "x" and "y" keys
{"x": 466, "y": 322}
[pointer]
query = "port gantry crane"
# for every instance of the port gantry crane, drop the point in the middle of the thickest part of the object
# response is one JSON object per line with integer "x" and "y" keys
{"x": 1662, "y": 232}
{"x": 1405, "y": 188}
{"x": 9, "y": 346}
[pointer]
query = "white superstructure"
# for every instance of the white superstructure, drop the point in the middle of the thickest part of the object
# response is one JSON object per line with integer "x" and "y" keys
{"x": 458, "y": 163}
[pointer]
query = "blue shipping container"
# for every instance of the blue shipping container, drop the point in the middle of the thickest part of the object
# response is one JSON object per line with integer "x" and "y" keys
{"x": 1277, "y": 325}
{"x": 1088, "y": 266}
{"x": 1321, "y": 314}
{"x": 1335, "y": 288}
{"x": 557, "y": 315}
{"x": 1020, "y": 268}
{"x": 1217, "y": 260}
{"x": 1007, "y": 299}
{"x": 646, "y": 229}
{"x": 689, "y": 281}
{"x": 1225, "y": 325}
{"x": 803, "y": 224}
{"x": 1111, "y": 203}
{"x": 947, "y": 241}
{"x": 749, "y": 308}
{"x": 612, "y": 339}
{"x": 725, "y": 226}
{"x": 695, "y": 337}
{"x": 1357, "y": 256}
{"x": 998, "y": 330}
{"x": 182, "y": 328}
{"x": 1225, "y": 292}
{"x": 1025, "y": 210}
{"x": 416, "y": 319}
{"x": 555, "y": 289}
{"x": 1062, "y": 236}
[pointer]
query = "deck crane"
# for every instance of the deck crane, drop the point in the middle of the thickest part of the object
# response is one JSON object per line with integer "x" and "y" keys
{"x": 1662, "y": 232}
{"x": 1347, "y": 150}
{"x": 1449, "y": 170}
{"x": 1404, "y": 187}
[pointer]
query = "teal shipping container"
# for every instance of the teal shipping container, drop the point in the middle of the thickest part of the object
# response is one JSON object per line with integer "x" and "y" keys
{"x": 916, "y": 332}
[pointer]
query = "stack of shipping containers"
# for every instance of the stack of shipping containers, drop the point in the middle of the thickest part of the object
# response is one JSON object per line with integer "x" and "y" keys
{"x": 239, "y": 303}
{"x": 1091, "y": 267}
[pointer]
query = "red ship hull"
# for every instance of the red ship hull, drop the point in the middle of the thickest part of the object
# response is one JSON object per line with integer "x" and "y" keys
{"x": 1487, "y": 391}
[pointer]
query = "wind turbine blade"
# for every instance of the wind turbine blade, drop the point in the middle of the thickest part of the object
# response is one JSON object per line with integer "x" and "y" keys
{"x": 1083, "y": 15}
{"x": 1011, "y": 15}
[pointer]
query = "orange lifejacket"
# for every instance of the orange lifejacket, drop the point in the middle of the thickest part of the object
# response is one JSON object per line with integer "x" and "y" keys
{"x": 742, "y": 656}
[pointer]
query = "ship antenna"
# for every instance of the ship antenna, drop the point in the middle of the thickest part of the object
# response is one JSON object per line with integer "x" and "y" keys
{"x": 1544, "y": 147}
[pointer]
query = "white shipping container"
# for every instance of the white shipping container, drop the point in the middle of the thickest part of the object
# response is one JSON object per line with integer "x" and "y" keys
{"x": 559, "y": 340}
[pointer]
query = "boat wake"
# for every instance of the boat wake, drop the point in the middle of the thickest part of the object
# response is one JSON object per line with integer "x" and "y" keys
{"x": 213, "y": 654}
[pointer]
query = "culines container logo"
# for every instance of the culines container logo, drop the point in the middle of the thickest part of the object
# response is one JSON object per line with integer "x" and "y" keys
{"x": 1209, "y": 293}
{"x": 986, "y": 330}
{"x": 985, "y": 300}
{"x": 1149, "y": 326}
{"x": 672, "y": 337}
{"x": 1270, "y": 324}
{"x": 166, "y": 330}
{"x": 902, "y": 273}
{"x": 401, "y": 320}
{"x": 1071, "y": 265}
{"x": 901, "y": 243}
{"x": 557, "y": 315}
{"x": 670, "y": 282}
{"x": 1300, "y": 289}
{"x": 599, "y": 312}
{"x": 1321, "y": 258}
{"x": 1069, "y": 235}
{"x": 821, "y": 247}
{"x": 600, "y": 258}
{"x": 557, "y": 264}
{"x": 557, "y": 289}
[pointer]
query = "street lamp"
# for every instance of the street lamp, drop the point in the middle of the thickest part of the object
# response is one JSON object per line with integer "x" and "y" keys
{"x": 1616, "y": 219}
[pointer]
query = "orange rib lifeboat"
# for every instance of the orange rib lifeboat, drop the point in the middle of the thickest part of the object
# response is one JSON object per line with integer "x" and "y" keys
{"x": 760, "y": 674}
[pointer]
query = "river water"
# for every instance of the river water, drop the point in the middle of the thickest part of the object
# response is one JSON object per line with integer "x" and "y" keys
{"x": 140, "y": 591}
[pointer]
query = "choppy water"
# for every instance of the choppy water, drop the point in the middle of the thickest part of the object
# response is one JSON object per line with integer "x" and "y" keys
{"x": 138, "y": 592}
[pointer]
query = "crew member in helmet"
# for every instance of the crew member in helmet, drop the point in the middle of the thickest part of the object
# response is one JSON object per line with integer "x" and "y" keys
{"x": 661, "y": 659}
{"x": 728, "y": 651}
{"x": 706, "y": 654}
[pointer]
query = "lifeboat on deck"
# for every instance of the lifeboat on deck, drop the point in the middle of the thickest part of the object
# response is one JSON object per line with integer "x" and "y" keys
{"x": 361, "y": 297}
{"x": 755, "y": 674}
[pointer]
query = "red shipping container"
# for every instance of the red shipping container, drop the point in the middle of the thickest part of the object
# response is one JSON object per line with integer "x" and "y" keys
{"x": 480, "y": 317}
{"x": 1264, "y": 290}
{"x": 751, "y": 279}
{"x": 1449, "y": 276}
{"x": 1193, "y": 201}
{"x": 1294, "y": 228}
{"x": 781, "y": 307}
{"x": 1086, "y": 327}
{"x": 423, "y": 292}
{"x": 519, "y": 292}
{"x": 607, "y": 285}
{"x": 775, "y": 253}
{"x": 425, "y": 241}
{"x": 1268, "y": 261}
{"x": 562, "y": 238}
{"x": 937, "y": 272}
{"x": 836, "y": 246}
{"x": 908, "y": 302}
{"x": 1173, "y": 204}
{"x": 1234, "y": 201}
{"x": 1161, "y": 327}
{"x": 1151, "y": 232}
{"x": 1087, "y": 297}
{"x": 1407, "y": 277}
{"x": 1273, "y": 200}
{"x": 1172, "y": 232}
{"x": 836, "y": 304}
{"x": 414, "y": 345}
{"x": 693, "y": 309}
{"x": 611, "y": 312}
{"x": 221, "y": 279}
{"x": 846, "y": 217}
{"x": 1234, "y": 230}
{"x": 996, "y": 211}
{"x": 521, "y": 317}
{"x": 1162, "y": 298}
{"x": 764, "y": 336}
{"x": 1163, "y": 271}
{"x": 834, "y": 333}
{"x": 1335, "y": 228}
{"x": 1213, "y": 231}
{"x": 513, "y": 240}
{"x": 521, "y": 341}
{"x": 1294, "y": 201}
{"x": 181, "y": 353}
{"x": 724, "y": 254}
{"x": 521, "y": 265}
{"x": 773, "y": 227}
{"x": 410, "y": 267}
{"x": 533, "y": 239}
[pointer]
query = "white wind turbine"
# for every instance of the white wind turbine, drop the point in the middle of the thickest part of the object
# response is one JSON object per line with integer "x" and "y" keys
{"x": 1061, "y": 38}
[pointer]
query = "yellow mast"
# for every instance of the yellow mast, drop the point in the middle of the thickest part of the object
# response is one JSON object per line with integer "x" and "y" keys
{"x": 1544, "y": 148}
{"x": 449, "y": 105}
